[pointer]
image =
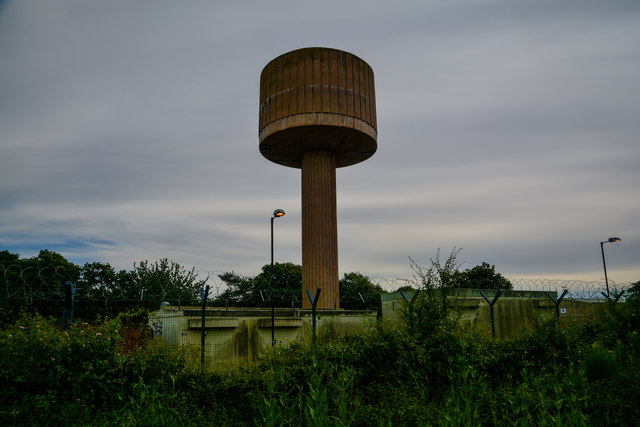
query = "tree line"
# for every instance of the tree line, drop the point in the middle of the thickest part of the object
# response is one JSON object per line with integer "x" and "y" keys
{"x": 37, "y": 282}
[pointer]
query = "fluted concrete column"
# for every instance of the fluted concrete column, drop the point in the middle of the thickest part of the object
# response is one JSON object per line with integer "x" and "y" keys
{"x": 319, "y": 229}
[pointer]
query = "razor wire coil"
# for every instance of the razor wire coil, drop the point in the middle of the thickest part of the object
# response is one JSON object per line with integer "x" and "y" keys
{"x": 47, "y": 284}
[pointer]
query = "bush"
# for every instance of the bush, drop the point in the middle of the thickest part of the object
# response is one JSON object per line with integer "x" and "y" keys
{"x": 553, "y": 374}
{"x": 601, "y": 364}
{"x": 48, "y": 373}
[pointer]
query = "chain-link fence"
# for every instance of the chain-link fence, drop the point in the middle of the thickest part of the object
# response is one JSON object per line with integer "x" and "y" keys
{"x": 43, "y": 289}
{"x": 240, "y": 320}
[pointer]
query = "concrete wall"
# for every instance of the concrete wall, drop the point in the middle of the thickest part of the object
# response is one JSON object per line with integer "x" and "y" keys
{"x": 244, "y": 335}
{"x": 512, "y": 312}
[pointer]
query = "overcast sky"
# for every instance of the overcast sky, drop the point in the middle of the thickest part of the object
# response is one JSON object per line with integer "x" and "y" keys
{"x": 129, "y": 132}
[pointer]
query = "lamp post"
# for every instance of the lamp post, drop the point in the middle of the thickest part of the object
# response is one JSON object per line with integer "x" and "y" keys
{"x": 604, "y": 264}
{"x": 276, "y": 214}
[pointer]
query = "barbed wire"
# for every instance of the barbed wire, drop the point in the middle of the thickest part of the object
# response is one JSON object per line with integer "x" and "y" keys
{"x": 576, "y": 289}
{"x": 47, "y": 284}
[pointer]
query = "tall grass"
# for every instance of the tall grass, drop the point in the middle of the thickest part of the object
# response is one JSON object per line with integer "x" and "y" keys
{"x": 399, "y": 374}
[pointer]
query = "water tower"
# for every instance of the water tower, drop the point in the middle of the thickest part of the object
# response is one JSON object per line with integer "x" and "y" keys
{"x": 318, "y": 113}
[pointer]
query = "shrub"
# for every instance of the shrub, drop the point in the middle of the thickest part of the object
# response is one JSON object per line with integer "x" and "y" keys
{"x": 428, "y": 313}
{"x": 601, "y": 363}
{"x": 552, "y": 374}
{"x": 48, "y": 373}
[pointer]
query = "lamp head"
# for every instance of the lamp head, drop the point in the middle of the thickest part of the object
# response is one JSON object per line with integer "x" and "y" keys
{"x": 278, "y": 213}
{"x": 614, "y": 239}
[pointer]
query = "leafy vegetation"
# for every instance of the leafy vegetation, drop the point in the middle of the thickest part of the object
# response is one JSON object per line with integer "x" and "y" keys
{"x": 356, "y": 290}
{"x": 259, "y": 291}
{"x": 483, "y": 276}
{"x": 424, "y": 370}
{"x": 447, "y": 274}
{"x": 38, "y": 282}
{"x": 108, "y": 292}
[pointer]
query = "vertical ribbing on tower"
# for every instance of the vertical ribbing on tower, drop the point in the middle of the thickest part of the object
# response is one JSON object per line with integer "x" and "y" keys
{"x": 319, "y": 229}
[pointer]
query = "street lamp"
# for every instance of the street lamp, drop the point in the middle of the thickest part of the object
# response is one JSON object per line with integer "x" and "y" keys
{"x": 604, "y": 264}
{"x": 276, "y": 214}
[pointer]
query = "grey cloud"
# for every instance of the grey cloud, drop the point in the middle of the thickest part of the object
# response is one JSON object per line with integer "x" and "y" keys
{"x": 129, "y": 132}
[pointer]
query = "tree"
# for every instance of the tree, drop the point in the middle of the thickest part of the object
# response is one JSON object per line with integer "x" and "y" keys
{"x": 110, "y": 292}
{"x": 634, "y": 291}
{"x": 287, "y": 283}
{"x": 99, "y": 278}
{"x": 632, "y": 296}
{"x": 358, "y": 293}
{"x": 239, "y": 290}
{"x": 163, "y": 281}
{"x": 481, "y": 276}
{"x": 356, "y": 290}
{"x": 7, "y": 258}
{"x": 11, "y": 285}
{"x": 10, "y": 271}
{"x": 52, "y": 269}
{"x": 36, "y": 282}
{"x": 257, "y": 291}
{"x": 44, "y": 275}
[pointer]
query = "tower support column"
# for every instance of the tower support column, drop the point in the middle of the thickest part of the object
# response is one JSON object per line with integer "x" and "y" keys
{"x": 319, "y": 229}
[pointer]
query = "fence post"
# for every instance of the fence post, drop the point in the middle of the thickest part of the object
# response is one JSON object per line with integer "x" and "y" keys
{"x": 273, "y": 317}
{"x": 314, "y": 301}
{"x": 615, "y": 298}
{"x": 404, "y": 296}
{"x": 491, "y": 303}
{"x": 204, "y": 293}
{"x": 69, "y": 294}
{"x": 409, "y": 305}
{"x": 556, "y": 302}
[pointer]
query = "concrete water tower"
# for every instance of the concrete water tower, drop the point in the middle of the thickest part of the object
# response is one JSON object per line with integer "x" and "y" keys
{"x": 318, "y": 113}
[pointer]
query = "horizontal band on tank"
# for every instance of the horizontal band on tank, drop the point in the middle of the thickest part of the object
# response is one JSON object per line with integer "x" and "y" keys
{"x": 340, "y": 100}
{"x": 318, "y": 119}
{"x": 325, "y": 87}
{"x": 286, "y": 140}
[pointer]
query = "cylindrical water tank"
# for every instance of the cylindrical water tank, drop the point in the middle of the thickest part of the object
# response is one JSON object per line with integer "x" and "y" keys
{"x": 317, "y": 99}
